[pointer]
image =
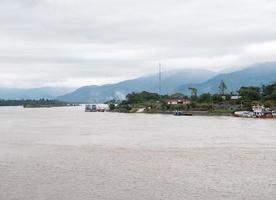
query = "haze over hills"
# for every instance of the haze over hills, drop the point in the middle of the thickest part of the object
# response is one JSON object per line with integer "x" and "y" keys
{"x": 253, "y": 75}
{"x": 34, "y": 93}
{"x": 171, "y": 80}
{"x": 178, "y": 81}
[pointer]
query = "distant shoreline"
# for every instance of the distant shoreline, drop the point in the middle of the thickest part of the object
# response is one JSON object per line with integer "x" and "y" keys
{"x": 30, "y": 103}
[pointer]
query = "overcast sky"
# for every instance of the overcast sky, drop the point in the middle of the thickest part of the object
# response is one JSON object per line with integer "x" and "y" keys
{"x": 81, "y": 42}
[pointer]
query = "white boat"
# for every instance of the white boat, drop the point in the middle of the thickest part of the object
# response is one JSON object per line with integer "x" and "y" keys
{"x": 257, "y": 112}
{"x": 262, "y": 112}
{"x": 246, "y": 114}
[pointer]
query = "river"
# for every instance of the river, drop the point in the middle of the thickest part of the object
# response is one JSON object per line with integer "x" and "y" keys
{"x": 66, "y": 153}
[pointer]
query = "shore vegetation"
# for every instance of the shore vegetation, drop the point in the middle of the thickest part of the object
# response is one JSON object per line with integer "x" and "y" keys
{"x": 221, "y": 103}
{"x": 29, "y": 103}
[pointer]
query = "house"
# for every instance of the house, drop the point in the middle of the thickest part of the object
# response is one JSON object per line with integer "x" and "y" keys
{"x": 180, "y": 101}
{"x": 235, "y": 97}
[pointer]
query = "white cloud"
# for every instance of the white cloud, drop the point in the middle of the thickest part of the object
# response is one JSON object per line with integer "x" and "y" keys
{"x": 68, "y": 42}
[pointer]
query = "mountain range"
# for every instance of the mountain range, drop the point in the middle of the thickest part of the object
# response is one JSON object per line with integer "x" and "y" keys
{"x": 178, "y": 81}
{"x": 253, "y": 75}
{"x": 172, "y": 82}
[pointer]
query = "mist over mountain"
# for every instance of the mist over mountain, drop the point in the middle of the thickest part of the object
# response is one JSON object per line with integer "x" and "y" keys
{"x": 178, "y": 81}
{"x": 253, "y": 75}
{"x": 34, "y": 93}
{"x": 171, "y": 81}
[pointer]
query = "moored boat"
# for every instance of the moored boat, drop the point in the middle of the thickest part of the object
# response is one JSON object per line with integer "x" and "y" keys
{"x": 180, "y": 113}
{"x": 246, "y": 114}
{"x": 257, "y": 112}
{"x": 96, "y": 107}
{"x": 90, "y": 108}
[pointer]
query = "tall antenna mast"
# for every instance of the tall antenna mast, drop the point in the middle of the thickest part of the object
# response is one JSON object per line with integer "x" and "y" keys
{"x": 160, "y": 89}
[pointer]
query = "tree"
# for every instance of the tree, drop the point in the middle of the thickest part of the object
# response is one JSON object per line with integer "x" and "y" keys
{"x": 273, "y": 95}
{"x": 178, "y": 96}
{"x": 250, "y": 93}
{"x": 269, "y": 92}
{"x": 193, "y": 92}
{"x": 205, "y": 98}
{"x": 141, "y": 97}
{"x": 112, "y": 106}
{"x": 222, "y": 87}
{"x": 216, "y": 98}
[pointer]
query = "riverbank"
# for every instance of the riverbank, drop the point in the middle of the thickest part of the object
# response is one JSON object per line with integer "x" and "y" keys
{"x": 169, "y": 112}
{"x": 221, "y": 104}
{"x": 31, "y": 103}
{"x": 198, "y": 113}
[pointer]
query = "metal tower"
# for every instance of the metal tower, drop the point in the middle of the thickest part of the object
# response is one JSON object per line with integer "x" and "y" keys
{"x": 160, "y": 79}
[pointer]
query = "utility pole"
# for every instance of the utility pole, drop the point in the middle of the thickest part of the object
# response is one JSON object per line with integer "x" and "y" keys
{"x": 160, "y": 79}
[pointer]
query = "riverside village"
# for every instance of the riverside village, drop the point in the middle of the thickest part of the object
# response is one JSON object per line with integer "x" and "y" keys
{"x": 250, "y": 102}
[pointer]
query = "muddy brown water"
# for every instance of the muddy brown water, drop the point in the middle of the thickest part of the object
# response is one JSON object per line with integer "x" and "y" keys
{"x": 65, "y": 153}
